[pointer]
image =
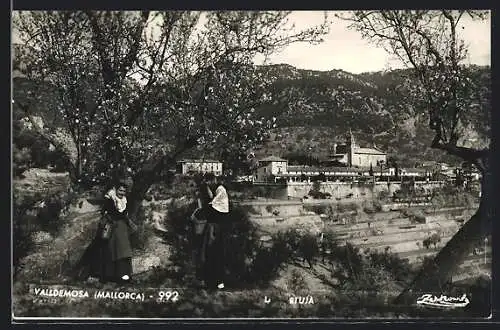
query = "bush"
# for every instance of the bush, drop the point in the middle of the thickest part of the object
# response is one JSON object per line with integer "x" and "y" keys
{"x": 433, "y": 239}
{"x": 377, "y": 205}
{"x": 399, "y": 268}
{"x": 50, "y": 216}
{"x": 21, "y": 232}
{"x": 318, "y": 209}
{"x": 347, "y": 207}
{"x": 296, "y": 283}
{"x": 29, "y": 150}
{"x": 248, "y": 263}
{"x": 415, "y": 216}
{"x": 249, "y": 209}
{"x": 370, "y": 271}
{"x": 450, "y": 196}
{"x": 308, "y": 248}
{"x": 21, "y": 160}
{"x": 315, "y": 194}
{"x": 259, "y": 191}
{"x": 369, "y": 209}
{"x": 419, "y": 218}
{"x": 291, "y": 245}
{"x": 384, "y": 195}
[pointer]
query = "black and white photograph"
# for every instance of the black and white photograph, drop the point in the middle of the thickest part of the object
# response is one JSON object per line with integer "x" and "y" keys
{"x": 251, "y": 165}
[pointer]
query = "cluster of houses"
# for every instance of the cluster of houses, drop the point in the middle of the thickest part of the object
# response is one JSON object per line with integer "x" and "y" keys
{"x": 349, "y": 162}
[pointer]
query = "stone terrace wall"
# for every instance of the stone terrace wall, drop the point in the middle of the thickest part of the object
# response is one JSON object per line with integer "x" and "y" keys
{"x": 359, "y": 191}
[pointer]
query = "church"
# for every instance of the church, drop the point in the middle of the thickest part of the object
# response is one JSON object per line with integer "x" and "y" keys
{"x": 352, "y": 155}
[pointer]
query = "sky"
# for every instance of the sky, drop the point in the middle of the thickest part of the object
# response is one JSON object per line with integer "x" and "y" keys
{"x": 345, "y": 49}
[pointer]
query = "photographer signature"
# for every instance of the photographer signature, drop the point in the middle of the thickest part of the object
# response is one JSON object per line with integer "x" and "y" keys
{"x": 443, "y": 301}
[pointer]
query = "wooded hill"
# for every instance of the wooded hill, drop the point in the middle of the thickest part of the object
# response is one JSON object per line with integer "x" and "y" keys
{"x": 315, "y": 109}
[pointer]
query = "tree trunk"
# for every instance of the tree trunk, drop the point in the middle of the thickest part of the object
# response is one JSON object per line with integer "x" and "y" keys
{"x": 143, "y": 181}
{"x": 431, "y": 278}
{"x": 79, "y": 161}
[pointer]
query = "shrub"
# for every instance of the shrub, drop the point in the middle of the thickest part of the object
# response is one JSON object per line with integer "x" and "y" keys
{"x": 405, "y": 212}
{"x": 399, "y": 268}
{"x": 370, "y": 271}
{"x": 369, "y": 209}
{"x": 49, "y": 217}
{"x": 419, "y": 218}
{"x": 433, "y": 239}
{"x": 249, "y": 209}
{"x": 296, "y": 283}
{"x": 349, "y": 262}
{"x": 347, "y": 207}
{"x": 308, "y": 248}
{"x": 318, "y": 209}
{"x": 384, "y": 195}
{"x": 450, "y": 196}
{"x": 377, "y": 205}
{"x": 21, "y": 232}
{"x": 21, "y": 160}
{"x": 316, "y": 194}
{"x": 248, "y": 264}
{"x": 259, "y": 191}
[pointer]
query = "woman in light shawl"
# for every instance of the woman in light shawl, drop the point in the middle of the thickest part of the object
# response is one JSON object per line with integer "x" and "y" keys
{"x": 119, "y": 265}
{"x": 109, "y": 258}
{"x": 214, "y": 237}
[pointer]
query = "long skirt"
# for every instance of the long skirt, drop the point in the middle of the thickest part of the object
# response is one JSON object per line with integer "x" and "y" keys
{"x": 213, "y": 249}
{"x": 100, "y": 259}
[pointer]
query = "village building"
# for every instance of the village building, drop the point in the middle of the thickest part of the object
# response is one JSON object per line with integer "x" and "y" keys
{"x": 352, "y": 155}
{"x": 189, "y": 166}
{"x": 349, "y": 163}
{"x": 271, "y": 168}
{"x": 300, "y": 173}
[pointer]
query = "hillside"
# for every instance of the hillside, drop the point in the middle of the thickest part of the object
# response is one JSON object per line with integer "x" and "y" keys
{"x": 314, "y": 109}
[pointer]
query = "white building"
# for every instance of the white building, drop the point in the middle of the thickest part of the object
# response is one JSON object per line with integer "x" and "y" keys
{"x": 187, "y": 166}
{"x": 271, "y": 166}
{"x": 353, "y": 155}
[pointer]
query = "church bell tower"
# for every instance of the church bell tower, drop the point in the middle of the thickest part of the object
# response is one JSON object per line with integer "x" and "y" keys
{"x": 351, "y": 147}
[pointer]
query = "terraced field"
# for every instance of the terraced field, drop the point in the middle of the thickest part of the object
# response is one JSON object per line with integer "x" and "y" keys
{"x": 383, "y": 230}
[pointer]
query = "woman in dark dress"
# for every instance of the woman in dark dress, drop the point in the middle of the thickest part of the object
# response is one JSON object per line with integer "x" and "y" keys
{"x": 199, "y": 222}
{"x": 215, "y": 235}
{"x": 109, "y": 256}
{"x": 115, "y": 212}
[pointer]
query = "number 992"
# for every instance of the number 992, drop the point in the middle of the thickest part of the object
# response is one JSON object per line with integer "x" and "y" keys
{"x": 166, "y": 296}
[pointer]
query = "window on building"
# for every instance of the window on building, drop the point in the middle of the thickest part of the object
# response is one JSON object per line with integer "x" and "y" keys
{"x": 265, "y": 170}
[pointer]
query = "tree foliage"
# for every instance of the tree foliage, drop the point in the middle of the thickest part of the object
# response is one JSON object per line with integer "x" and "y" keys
{"x": 429, "y": 42}
{"x": 136, "y": 90}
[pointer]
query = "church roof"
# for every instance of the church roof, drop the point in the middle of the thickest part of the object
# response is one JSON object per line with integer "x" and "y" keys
{"x": 199, "y": 161}
{"x": 272, "y": 159}
{"x": 370, "y": 151}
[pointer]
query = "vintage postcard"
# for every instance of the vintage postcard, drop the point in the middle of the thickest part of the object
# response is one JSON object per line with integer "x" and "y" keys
{"x": 251, "y": 165}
